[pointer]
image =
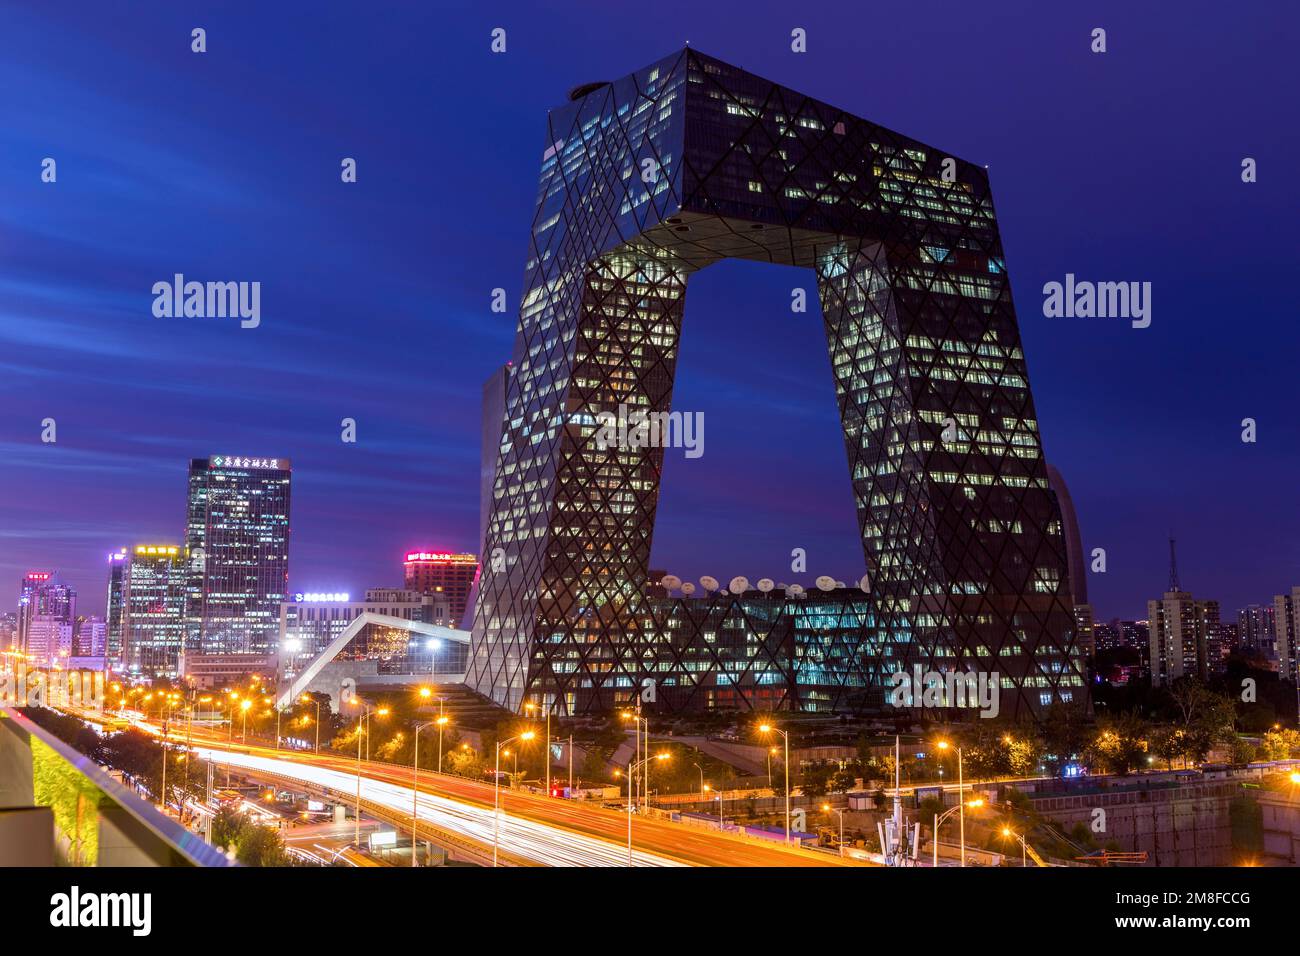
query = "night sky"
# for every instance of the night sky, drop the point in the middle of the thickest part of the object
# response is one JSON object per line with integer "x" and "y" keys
{"x": 375, "y": 295}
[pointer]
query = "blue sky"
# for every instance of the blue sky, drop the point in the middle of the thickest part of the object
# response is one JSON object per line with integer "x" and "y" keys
{"x": 375, "y": 295}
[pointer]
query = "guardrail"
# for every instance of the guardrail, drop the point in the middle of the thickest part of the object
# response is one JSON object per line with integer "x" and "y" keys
{"x": 148, "y": 837}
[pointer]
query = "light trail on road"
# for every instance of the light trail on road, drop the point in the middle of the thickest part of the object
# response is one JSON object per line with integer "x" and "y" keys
{"x": 528, "y": 839}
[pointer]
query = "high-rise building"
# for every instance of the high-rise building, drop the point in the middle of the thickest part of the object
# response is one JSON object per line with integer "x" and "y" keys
{"x": 1184, "y": 637}
{"x": 1134, "y": 633}
{"x": 1070, "y": 532}
{"x": 1106, "y": 636}
{"x": 49, "y": 640}
{"x": 1256, "y": 626}
{"x": 237, "y": 539}
{"x": 1286, "y": 617}
{"x": 1085, "y": 629}
{"x": 153, "y": 623}
{"x": 89, "y": 636}
{"x": 493, "y": 425}
{"x": 645, "y": 181}
{"x": 442, "y": 573}
{"x": 117, "y": 565}
{"x": 40, "y": 596}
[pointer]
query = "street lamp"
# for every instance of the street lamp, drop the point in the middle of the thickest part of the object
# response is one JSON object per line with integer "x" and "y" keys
{"x": 1024, "y": 847}
{"x": 961, "y": 799}
{"x": 768, "y": 728}
{"x": 362, "y": 725}
{"x": 311, "y": 700}
{"x": 827, "y": 808}
{"x": 415, "y": 780}
{"x": 496, "y": 792}
{"x": 631, "y": 772}
{"x": 245, "y": 705}
{"x": 638, "y": 721}
{"x": 547, "y": 750}
{"x": 701, "y": 770}
{"x": 938, "y": 821}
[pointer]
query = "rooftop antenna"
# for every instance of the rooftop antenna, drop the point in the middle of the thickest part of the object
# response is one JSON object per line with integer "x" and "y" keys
{"x": 1173, "y": 567}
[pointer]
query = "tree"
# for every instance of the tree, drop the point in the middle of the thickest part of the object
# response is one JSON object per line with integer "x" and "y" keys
{"x": 1281, "y": 744}
{"x": 228, "y": 826}
{"x": 816, "y": 779}
{"x": 1065, "y": 733}
{"x": 261, "y": 846}
{"x": 1121, "y": 745}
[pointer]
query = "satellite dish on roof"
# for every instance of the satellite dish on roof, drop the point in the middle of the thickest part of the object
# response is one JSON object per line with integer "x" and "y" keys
{"x": 839, "y": 584}
{"x": 826, "y": 583}
{"x": 795, "y": 590}
{"x": 709, "y": 583}
{"x": 738, "y": 585}
{"x": 670, "y": 581}
{"x": 765, "y": 584}
{"x": 782, "y": 587}
{"x": 865, "y": 583}
{"x": 688, "y": 588}
{"x": 723, "y": 591}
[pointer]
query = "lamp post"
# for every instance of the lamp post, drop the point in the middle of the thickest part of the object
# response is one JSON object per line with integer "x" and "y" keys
{"x": 362, "y": 725}
{"x": 768, "y": 728}
{"x": 547, "y": 749}
{"x": 311, "y": 700}
{"x": 938, "y": 821}
{"x": 496, "y": 792}
{"x": 245, "y": 705}
{"x": 631, "y": 772}
{"x": 961, "y": 799}
{"x": 701, "y": 770}
{"x": 415, "y": 783}
{"x": 1024, "y": 849}
{"x": 638, "y": 720}
{"x": 827, "y": 808}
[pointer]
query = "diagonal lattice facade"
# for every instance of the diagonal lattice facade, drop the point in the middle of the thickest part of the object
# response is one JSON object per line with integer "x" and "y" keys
{"x": 645, "y": 181}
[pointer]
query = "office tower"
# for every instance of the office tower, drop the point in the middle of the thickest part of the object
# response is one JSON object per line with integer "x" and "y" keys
{"x": 237, "y": 537}
{"x": 153, "y": 623}
{"x": 1257, "y": 625}
{"x": 41, "y": 596}
{"x": 117, "y": 564}
{"x": 494, "y": 413}
{"x": 441, "y": 572}
{"x": 645, "y": 181}
{"x": 89, "y": 636}
{"x": 1084, "y": 628}
{"x": 8, "y": 630}
{"x": 1070, "y": 532}
{"x": 1286, "y": 618}
{"x": 49, "y": 640}
{"x": 1184, "y": 637}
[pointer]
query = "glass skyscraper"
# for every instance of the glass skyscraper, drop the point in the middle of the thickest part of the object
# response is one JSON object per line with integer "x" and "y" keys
{"x": 237, "y": 539}
{"x": 151, "y": 609}
{"x": 645, "y": 181}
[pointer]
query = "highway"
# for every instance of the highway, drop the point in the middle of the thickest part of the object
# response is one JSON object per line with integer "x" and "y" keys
{"x": 534, "y": 827}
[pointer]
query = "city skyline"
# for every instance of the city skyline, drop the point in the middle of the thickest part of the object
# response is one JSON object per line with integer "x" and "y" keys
{"x": 1142, "y": 423}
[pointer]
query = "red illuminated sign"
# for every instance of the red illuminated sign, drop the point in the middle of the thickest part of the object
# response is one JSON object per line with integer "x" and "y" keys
{"x": 38, "y": 575}
{"x": 439, "y": 556}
